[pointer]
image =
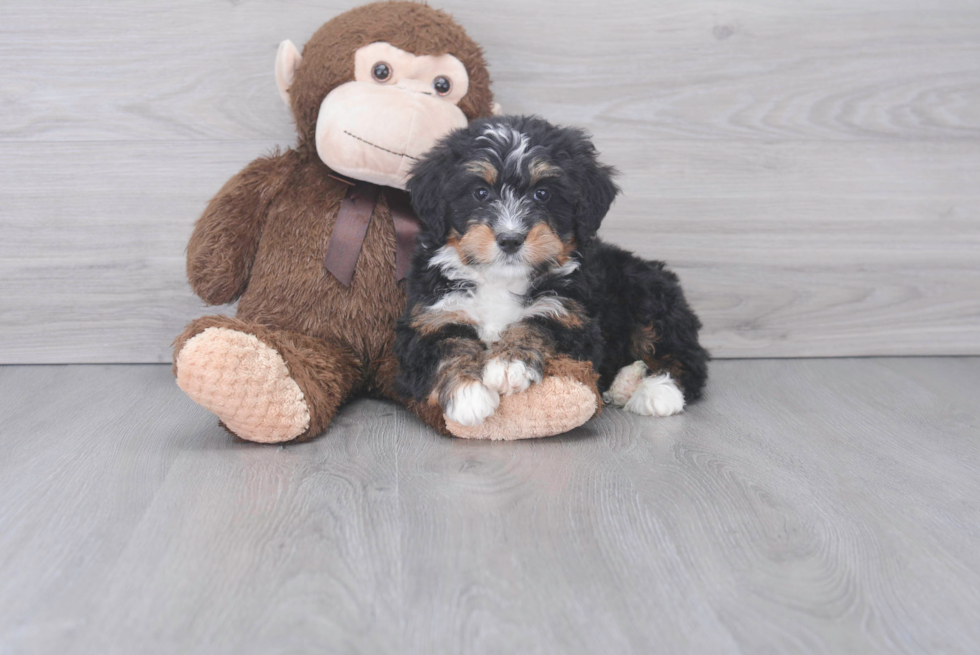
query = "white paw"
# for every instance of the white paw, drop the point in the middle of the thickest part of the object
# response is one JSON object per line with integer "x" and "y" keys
{"x": 625, "y": 384}
{"x": 507, "y": 377}
{"x": 657, "y": 395}
{"x": 471, "y": 404}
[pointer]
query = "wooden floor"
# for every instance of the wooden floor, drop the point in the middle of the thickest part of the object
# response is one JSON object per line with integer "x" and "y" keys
{"x": 806, "y": 506}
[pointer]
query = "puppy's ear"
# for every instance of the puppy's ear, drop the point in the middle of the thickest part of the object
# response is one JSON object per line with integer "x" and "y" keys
{"x": 427, "y": 187}
{"x": 595, "y": 186}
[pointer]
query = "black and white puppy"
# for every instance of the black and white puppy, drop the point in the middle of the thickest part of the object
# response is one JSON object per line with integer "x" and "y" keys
{"x": 508, "y": 273}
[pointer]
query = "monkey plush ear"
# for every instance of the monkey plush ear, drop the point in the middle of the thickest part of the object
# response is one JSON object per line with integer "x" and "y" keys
{"x": 287, "y": 60}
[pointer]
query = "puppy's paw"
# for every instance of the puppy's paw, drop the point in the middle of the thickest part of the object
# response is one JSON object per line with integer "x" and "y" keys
{"x": 471, "y": 403}
{"x": 656, "y": 395}
{"x": 508, "y": 376}
{"x": 626, "y": 383}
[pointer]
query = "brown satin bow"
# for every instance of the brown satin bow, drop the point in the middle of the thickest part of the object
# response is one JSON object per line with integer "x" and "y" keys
{"x": 352, "y": 222}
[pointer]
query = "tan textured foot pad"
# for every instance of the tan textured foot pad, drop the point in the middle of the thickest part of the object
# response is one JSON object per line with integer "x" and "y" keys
{"x": 553, "y": 406}
{"x": 245, "y": 382}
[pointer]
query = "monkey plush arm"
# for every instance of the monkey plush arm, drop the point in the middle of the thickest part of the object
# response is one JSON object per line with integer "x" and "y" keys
{"x": 226, "y": 237}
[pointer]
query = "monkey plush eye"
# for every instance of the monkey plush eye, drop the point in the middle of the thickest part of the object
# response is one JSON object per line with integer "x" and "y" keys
{"x": 442, "y": 85}
{"x": 381, "y": 72}
{"x": 542, "y": 195}
{"x": 482, "y": 193}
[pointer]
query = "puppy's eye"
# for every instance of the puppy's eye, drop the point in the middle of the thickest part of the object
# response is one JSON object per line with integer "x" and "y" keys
{"x": 542, "y": 195}
{"x": 481, "y": 194}
{"x": 442, "y": 85}
{"x": 381, "y": 72}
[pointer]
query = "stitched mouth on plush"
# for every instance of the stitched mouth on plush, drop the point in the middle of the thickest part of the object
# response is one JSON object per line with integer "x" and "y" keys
{"x": 382, "y": 148}
{"x": 377, "y": 133}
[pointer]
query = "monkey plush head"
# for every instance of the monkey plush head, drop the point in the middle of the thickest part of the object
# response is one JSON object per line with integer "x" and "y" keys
{"x": 377, "y": 86}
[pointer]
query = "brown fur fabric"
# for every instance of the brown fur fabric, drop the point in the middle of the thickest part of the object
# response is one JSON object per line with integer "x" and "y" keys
{"x": 263, "y": 237}
{"x": 327, "y": 372}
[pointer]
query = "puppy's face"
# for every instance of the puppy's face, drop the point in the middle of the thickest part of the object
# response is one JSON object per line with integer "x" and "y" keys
{"x": 512, "y": 193}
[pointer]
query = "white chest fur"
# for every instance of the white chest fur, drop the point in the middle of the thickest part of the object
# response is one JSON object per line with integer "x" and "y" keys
{"x": 493, "y": 305}
{"x": 497, "y": 297}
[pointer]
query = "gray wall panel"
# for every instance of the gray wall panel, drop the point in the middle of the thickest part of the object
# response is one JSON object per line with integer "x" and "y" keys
{"x": 809, "y": 169}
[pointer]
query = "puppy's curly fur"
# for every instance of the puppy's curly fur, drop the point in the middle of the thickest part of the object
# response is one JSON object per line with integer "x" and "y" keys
{"x": 508, "y": 273}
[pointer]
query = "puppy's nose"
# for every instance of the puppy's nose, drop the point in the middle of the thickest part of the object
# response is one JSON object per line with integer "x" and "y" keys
{"x": 510, "y": 243}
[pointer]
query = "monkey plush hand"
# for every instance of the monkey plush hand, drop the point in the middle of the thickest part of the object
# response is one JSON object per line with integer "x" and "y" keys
{"x": 313, "y": 241}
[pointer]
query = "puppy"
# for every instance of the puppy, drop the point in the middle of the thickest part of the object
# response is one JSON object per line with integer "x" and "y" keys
{"x": 508, "y": 273}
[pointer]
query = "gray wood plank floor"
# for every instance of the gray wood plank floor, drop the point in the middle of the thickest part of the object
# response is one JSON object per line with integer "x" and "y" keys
{"x": 806, "y": 506}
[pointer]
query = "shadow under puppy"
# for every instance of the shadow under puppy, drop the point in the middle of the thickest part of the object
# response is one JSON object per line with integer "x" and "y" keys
{"x": 508, "y": 273}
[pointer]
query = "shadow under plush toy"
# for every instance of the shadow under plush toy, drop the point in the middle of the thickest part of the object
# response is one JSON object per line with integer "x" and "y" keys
{"x": 314, "y": 241}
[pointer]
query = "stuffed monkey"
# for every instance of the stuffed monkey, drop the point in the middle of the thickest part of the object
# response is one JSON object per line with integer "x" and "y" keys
{"x": 313, "y": 241}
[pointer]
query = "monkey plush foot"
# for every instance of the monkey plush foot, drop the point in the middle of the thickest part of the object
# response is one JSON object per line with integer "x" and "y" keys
{"x": 565, "y": 398}
{"x": 245, "y": 383}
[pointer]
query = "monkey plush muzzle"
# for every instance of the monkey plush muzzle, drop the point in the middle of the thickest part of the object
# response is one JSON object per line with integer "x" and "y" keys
{"x": 377, "y": 132}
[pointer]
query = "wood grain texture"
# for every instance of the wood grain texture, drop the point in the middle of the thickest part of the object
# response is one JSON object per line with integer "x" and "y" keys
{"x": 809, "y": 169}
{"x": 805, "y": 506}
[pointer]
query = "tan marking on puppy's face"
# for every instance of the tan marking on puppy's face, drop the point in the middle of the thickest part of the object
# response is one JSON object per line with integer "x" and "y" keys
{"x": 484, "y": 169}
{"x": 477, "y": 245}
{"x": 543, "y": 245}
{"x": 541, "y": 169}
{"x": 452, "y": 241}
